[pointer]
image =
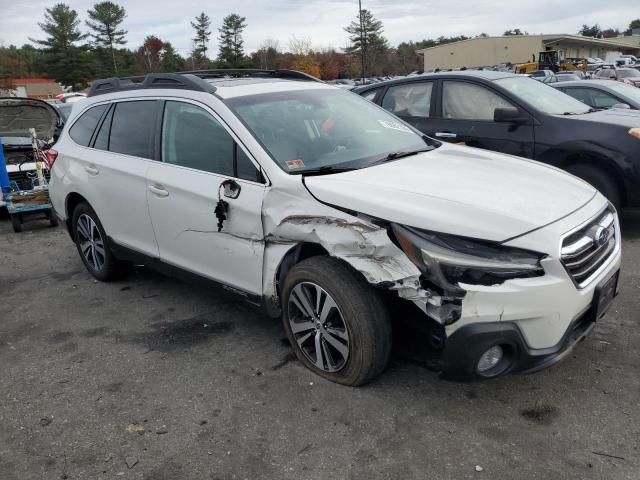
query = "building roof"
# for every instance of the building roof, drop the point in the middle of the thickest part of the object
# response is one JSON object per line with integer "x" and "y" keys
{"x": 31, "y": 81}
{"x": 546, "y": 38}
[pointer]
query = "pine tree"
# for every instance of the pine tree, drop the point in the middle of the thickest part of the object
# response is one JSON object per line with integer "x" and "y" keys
{"x": 368, "y": 38}
{"x": 66, "y": 61}
{"x": 231, "y": 53}
{"x": 106, "y": 18}
{"x": 170, "y": 60}
{"x": 201, "y": 40}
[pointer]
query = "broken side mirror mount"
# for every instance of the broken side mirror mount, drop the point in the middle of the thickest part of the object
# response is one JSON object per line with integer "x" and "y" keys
{"x": 510, "y": 115}
{"x": 621, "y": 105}
{"x": 231, "y": 188}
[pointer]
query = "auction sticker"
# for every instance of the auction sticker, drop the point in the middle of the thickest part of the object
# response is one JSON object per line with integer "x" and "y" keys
{"x": 395, "y": 126}
{"x": 294, "y": 164}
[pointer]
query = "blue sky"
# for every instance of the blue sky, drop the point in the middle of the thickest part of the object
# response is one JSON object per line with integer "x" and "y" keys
{"x": 323, "y": 20}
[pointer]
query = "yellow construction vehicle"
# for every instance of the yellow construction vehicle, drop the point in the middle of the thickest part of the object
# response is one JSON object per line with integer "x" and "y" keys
{"x": 550, "y": 60}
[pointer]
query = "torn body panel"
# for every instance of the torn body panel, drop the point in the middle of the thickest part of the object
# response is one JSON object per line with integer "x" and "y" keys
{"x": 354, "y": 239}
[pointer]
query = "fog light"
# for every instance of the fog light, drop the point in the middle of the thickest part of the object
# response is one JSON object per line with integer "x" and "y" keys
{"x": 490, "y": 358}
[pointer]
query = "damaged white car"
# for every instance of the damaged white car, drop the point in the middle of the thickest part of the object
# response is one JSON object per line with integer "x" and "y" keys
{"x": 329, "y": 211}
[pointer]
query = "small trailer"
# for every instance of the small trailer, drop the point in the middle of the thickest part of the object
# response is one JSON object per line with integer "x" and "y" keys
{"x": 24, "y": 205}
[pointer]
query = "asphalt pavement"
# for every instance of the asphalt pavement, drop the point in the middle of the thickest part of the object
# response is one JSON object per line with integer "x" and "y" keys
{"x": 151, "y": 378}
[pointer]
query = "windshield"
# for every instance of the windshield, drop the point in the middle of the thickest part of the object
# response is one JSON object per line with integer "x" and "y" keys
{"x": 542, "y": 97}
{"x": 325, "y": 128}
{"x": 628, "y": 73}
{"x": 627, "y": 90}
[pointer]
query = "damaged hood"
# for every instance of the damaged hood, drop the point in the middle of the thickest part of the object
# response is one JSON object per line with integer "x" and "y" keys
{"x": 18, "y": 115}
{"x": 458, "y": 190}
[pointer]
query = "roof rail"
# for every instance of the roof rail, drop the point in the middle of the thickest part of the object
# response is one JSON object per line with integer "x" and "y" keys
{"x": 151, "y": 80}
{"x": 252, "y": 72}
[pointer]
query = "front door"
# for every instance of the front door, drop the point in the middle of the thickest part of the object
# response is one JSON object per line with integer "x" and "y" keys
{"x": 466, "y": 116}
{"x": 198, "y": 155}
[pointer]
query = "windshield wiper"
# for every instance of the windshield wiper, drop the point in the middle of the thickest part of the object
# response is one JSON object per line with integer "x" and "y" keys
{"x": 326, "y": 170}
{"x": 400, "y": 154}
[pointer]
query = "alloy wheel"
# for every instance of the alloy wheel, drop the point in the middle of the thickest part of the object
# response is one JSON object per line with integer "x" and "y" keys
{"x": 90, "y": 242}
{"x": 318, "y": 327}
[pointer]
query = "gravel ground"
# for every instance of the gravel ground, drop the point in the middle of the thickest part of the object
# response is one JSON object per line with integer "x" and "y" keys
{"x": 150, "y": 378}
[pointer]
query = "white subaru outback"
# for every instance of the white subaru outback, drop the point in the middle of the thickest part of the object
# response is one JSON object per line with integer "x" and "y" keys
{"x": 325, "y": 209}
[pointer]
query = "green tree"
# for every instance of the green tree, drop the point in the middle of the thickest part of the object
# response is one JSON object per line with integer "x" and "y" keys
{"x": 634, "y": 24}
{"x": 170, "y": 60}
{"x": 201, "y": 40}
{"x": 106, "y": 18}
{"x": 591, "y": 31}
{"x": 66, "y": 61}
{"x": 365, "y": 34}
{"x": 515, "y": 31}
{"x": 231, "y": 52}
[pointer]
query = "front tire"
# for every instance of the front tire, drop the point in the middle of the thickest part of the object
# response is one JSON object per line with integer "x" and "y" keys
{"x": 93, "y": 245}
{"x": 336, "y": 323}
{"x": 600, "y": 180}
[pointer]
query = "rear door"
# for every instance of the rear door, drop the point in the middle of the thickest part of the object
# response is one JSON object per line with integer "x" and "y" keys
{"x": 465, "y": 115}
{"x": 198, "y": 154}
{"x": 119, "y": 141}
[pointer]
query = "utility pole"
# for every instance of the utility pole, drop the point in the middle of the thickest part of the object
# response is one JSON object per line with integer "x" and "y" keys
{"x": 362, "y": 39}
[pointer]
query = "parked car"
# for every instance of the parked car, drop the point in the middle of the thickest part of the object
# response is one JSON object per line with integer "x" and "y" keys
{"x": 560, "y": 78}
{"x": 515, "y": 115}
{"x": 330, "y": 212}
{"x": 625, "y": 75}
{"x": 540, "y": 74}
{"x": 17, "y": 116}
{"x": 603, "y": 93}
{"x": 626, "y": 61}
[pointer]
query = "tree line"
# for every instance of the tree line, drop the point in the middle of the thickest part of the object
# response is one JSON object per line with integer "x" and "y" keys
{"x": 74, "y": 52}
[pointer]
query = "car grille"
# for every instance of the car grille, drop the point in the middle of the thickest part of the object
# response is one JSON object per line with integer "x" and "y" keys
{"x": 585, "y": 251}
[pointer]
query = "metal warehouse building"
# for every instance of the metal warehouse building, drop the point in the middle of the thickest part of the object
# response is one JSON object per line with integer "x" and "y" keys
{"x": 487, "y": 51}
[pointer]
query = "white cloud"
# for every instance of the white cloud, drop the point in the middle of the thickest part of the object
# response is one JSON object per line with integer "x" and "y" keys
{"x": 323, "y": 21}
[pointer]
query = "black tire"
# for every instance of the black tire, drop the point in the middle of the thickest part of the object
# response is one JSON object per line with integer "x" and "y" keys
{"x": 111, "y": 269}
{"x": 364, "y": 315}
{"x": 600, "y": 180}
{"x": 16, "y": 223}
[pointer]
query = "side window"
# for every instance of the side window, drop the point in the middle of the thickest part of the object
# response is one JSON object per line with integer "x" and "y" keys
{"x": 192, "y": 138}
{"x": 603, "y": 100}
{"x": 371, "y": 94}
{"x": 581, "y": 94}
{"x": 413, "y": 100}
{"x": 466, "y": 101}
{"x": 132, "y": 128}
{"x": 82, "y": 130}
{"x": 102, "y": 138}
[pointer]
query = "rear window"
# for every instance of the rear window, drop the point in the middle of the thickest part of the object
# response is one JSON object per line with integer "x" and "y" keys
{"x": 82, "y": 130}
{"x": 133, "y": 127}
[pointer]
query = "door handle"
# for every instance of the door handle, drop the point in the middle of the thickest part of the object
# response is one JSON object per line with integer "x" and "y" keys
{"x": 91, "y": 170}
{"x": 158, "y": 190}
{"x": 445, "y": 135}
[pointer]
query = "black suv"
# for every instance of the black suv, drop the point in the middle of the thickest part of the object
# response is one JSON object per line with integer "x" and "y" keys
{"x": 520, "y": 116}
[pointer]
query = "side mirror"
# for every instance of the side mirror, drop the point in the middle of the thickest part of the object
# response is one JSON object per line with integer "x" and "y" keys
{"x": 509, "y": 115}
{"x": 621, "y": 105}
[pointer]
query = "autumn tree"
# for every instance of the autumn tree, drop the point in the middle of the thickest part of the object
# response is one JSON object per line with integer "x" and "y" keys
{"x": 64, "y": 58}
{"x": 231, "y": 53}
{"x": 149, "y": 54}
{"x": 202, "y": 26}
{"x": 365, "y": 34}
{"x": 105, "y": 21}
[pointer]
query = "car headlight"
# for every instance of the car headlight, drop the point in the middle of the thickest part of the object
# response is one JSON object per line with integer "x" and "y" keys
{"x": 447, "y": 260}
{"x": 635, "y": 132}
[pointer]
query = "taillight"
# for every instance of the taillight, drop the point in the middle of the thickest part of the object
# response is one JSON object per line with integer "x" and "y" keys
{"x": 49, "y": 157}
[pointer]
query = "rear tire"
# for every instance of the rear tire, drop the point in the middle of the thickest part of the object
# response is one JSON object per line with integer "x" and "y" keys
{"x": 53, "y": 219}
{"x": 600, "y": 180}
{"x": 93, "y": 245}
{"x": 357, "y": 324}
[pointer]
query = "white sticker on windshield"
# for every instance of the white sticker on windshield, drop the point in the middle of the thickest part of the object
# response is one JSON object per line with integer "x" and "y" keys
{"x": 395, "y": 126}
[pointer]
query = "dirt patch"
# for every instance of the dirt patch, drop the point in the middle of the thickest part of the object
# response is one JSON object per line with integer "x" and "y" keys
{"x": 542, "y": 414}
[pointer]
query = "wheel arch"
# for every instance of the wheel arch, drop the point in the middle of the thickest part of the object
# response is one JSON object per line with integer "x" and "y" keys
{"x": 71, "y": 202}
